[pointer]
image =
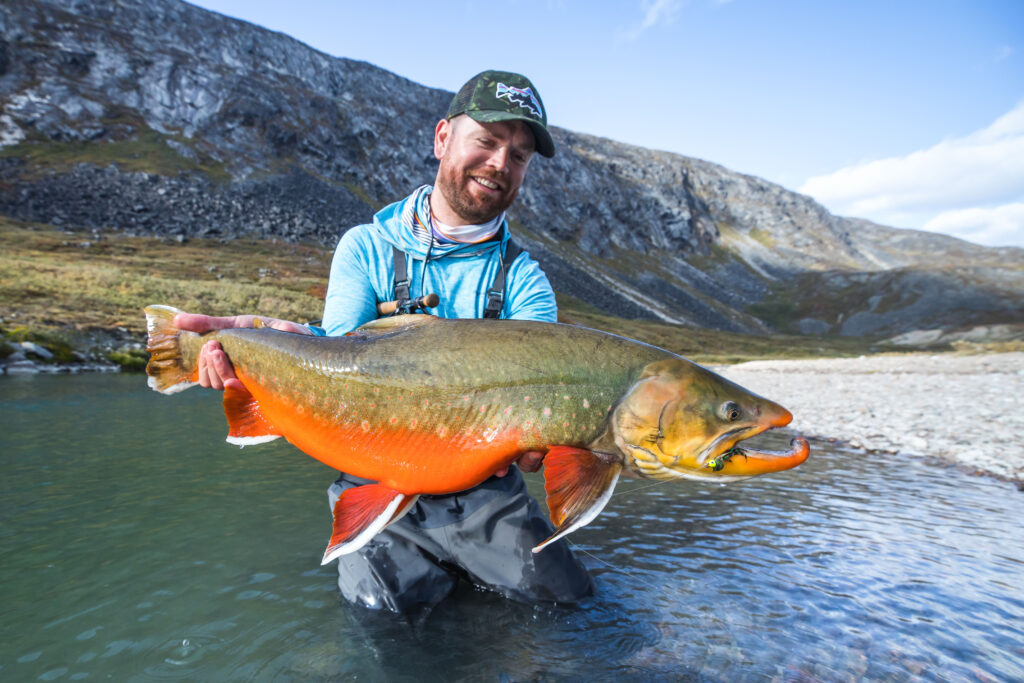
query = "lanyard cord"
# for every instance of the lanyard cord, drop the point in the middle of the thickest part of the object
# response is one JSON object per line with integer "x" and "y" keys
{"x": 423, "y": 272}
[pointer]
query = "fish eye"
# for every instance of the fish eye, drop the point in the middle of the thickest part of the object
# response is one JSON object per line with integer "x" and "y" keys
{"x": 730, "y": 411}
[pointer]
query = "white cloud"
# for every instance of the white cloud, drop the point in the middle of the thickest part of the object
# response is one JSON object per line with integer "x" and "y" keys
{"x": 1003, "y": 225}
{"x": 655, "y": 12}
{"x": 969, "y": 182}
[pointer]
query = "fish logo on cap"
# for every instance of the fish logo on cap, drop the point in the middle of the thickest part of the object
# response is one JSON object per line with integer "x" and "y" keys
{"x": 524, "y": 97}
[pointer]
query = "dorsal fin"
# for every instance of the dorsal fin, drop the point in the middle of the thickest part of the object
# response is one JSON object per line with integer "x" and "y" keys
{"x": 392, "y": 324}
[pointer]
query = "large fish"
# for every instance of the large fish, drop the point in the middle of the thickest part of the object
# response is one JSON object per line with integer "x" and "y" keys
{"x": 425, "y": 405}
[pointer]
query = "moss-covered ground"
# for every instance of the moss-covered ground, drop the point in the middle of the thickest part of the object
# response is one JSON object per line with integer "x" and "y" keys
{"x": 58, "y": 286}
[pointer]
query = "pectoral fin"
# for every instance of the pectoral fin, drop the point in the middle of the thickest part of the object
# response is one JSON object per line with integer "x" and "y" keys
{"x": 360, "y": 513}
{"x": 246, "y": 423}
{"x": 579, "y": 484}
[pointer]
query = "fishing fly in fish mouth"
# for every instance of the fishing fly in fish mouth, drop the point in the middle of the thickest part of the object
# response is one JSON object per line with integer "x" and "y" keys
{"x": 599, "y": 405}
{"x": 681, "y": 421}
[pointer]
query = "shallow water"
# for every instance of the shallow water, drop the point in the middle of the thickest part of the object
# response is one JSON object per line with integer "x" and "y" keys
{"x": 137, "y": 545}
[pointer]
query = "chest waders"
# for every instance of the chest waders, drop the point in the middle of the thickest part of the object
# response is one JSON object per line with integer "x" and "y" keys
{"x": 484, "y": 535}
{"x": 495, "y": 295}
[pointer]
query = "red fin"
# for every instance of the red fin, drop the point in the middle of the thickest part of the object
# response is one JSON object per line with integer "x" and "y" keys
{"x": 246, "y": 423}
{"x": 579, "y": 484}
{"x": 360, "y": 513}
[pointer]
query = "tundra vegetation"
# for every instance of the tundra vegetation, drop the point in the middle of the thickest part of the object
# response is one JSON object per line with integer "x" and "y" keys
{"x": 80, "y": 294}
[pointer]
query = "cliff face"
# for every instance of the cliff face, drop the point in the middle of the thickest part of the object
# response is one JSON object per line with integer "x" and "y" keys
{"x": 160, "y": 117}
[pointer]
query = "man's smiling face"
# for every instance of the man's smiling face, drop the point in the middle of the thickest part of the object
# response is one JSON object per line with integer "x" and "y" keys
{"x": 482, "y": 167}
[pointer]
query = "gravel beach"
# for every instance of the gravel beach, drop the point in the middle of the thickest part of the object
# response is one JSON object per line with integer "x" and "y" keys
{"x": 965, "y": 409}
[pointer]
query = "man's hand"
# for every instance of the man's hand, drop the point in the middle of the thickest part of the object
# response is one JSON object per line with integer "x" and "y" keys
{"x": 215, "y": 371}
{"x": 530, "y": 461}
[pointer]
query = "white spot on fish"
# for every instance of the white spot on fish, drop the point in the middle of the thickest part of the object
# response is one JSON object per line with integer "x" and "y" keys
{"x": 586, "y": 403}
{"x": 442, "y": 431}
{"x": 547, "y": 412}
{"x": 365, "y": 425}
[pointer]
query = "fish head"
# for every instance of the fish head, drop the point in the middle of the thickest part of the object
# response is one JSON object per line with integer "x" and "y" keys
{"x": 682, "y": 421}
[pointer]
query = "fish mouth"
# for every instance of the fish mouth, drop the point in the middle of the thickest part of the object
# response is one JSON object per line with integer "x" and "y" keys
{"x": 733, "y": 460}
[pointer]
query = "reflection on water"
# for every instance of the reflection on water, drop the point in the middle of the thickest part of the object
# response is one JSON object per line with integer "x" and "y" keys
{"x": 137, "y": 545}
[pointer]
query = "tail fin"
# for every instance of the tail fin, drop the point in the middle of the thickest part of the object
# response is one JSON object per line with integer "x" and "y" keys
{"x": 169, "y": 371}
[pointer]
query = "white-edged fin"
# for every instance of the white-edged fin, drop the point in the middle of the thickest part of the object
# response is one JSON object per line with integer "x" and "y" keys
{"x": 247, "y": 425}
{"x": 360, "y": 513}
{"x": 243, "y": 441}
{"x": 579, "y": 484}
{"x": 585, "y": 518}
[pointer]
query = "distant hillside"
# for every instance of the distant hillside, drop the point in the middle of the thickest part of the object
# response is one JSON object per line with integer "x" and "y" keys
{"x": 157, "y": 117}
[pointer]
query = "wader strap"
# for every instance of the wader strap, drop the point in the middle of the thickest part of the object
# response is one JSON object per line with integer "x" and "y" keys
{"x": 496, "y": 294}
{"x": 401, "y": 281}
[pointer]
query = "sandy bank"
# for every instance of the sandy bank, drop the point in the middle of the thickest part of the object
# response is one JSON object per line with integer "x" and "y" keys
{"x": 964, "y": 409}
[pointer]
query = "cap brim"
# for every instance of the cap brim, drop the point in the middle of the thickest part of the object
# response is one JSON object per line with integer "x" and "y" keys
{"x": 542, "y": 141}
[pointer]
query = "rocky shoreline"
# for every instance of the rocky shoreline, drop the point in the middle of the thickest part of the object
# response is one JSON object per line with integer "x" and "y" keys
{"x": 967, "y": 410}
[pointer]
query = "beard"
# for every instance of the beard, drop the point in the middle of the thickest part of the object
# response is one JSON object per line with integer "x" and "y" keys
{"x": 454, "y": 184}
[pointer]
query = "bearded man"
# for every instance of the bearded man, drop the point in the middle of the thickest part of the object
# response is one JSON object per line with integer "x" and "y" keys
{"x": 451, "y": 239}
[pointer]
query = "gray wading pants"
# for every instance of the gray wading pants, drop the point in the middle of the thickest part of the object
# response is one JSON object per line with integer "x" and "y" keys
{"x": 484, "y": 534}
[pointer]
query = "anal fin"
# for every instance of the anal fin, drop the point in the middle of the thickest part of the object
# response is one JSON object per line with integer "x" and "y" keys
{"x": 246, "y": 423}
{"x": 360, "y": 513}
{"x": 579, "y": 484}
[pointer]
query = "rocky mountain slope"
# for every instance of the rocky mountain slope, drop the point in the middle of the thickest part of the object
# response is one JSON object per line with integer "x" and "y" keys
{"x": 157, "y": 117}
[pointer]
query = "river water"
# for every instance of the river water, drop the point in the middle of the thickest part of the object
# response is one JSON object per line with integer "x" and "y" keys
{"x": 137, "y": 545}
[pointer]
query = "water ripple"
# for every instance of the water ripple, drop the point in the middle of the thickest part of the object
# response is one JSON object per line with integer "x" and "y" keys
{"x": 127, "y": 556}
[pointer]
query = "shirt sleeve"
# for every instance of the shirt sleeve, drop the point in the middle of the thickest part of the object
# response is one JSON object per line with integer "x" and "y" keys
{"x": 530, "y": 296}
{"x": 351, "y": 300}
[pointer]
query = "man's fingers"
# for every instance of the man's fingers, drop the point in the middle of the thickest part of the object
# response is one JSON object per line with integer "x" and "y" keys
{"x": 530, "y": 461}
{"x": 235, "y": 384}
{"x": 287, "y": 326}
{"x": 197, "y": 322}
{"x": 214, "y": 366}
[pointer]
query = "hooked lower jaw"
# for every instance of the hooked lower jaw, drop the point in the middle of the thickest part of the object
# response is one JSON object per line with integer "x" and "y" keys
{"x": 743, "y": 462}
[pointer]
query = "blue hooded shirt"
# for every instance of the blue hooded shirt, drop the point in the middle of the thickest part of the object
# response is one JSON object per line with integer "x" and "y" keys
{"x": 362, "y": 272}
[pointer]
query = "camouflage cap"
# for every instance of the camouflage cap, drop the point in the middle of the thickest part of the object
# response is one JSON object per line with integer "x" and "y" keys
{"x": 504, "y": 96}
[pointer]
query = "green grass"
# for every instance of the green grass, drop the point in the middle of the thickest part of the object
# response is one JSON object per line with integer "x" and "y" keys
{"x": 50, "y": 281}
{"x": 54, "y": 290}
{"x": 140, "y": 150}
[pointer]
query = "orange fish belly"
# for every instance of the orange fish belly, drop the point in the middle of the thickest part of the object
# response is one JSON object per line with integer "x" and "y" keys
{"x": 417, "y": 454}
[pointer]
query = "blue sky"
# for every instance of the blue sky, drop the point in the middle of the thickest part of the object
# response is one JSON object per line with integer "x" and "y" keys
{"x": 910, "y": 113}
